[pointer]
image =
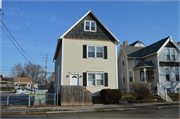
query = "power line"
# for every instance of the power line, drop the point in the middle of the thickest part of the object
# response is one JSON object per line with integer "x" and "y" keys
{"x": 16, "y": 41}
{"x": 22, "y": 30}
{"x": 25, "y": 24}
{"x": 16, "y": 37}
{"x": 15, "y": 45}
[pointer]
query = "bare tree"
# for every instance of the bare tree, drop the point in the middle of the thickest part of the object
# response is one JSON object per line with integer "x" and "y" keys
{"x": 16, "y": 70}
{"x": 29, "y": 70}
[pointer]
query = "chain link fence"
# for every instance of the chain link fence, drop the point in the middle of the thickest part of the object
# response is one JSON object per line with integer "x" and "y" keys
{"x": 42, "y": 99}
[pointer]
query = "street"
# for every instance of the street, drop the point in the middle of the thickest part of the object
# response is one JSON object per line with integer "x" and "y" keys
{"x": 14, "y": 98}
{"x": 148, "y": 113}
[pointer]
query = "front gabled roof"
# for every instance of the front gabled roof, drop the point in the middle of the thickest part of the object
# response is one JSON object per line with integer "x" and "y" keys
{"x": 90, "y": 11}
{"x": 64, "y": 35}
{"x": 141, "y": 52}
{"x": 133, "y": 44}
{"x": 144, "y": 64}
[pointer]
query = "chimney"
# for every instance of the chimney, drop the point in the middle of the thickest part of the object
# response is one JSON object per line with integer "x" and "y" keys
{"x": 178, "y": 43}
{"x": 125, "y": 42}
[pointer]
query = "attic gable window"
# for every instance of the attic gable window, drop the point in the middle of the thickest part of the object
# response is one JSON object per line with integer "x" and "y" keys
{"x": 90, "y": 26}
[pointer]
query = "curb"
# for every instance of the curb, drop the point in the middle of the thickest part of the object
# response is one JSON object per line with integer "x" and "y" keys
{"x": 88, "y": 111}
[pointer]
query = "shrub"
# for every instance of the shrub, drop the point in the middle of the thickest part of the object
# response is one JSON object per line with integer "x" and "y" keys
{"x": 141, "y": 89}
{"x": 110, "y": 96}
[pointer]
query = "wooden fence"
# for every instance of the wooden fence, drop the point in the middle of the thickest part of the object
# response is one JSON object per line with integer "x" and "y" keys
{"x": 75, "y": 95}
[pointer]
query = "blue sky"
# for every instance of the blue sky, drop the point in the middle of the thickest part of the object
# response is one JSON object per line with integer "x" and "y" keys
{"x": 147, "y": 21}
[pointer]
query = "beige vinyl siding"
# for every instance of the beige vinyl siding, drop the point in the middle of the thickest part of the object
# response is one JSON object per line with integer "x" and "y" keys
{"x": 74, "y": 62}
{"x": 58, "y": 63}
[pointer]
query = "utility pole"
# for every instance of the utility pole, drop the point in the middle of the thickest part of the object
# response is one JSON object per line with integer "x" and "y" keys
{"x": 46, "y": 68}
{"x": 19, "y": 78}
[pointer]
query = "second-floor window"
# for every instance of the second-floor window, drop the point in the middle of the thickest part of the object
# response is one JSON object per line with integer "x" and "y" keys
{"x": 167, "y": 74}
{"x": 122, "y": 60}
{"x": 96, "y": 51}
{"x": 89, "y": 26}
{"x": 177, "y": 74}
{"x": 170, "y": 54}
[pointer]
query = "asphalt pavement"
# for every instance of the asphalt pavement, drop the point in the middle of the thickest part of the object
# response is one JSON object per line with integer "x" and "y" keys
{"x": 145, "y": 113}
{"x": 13, "y": 99}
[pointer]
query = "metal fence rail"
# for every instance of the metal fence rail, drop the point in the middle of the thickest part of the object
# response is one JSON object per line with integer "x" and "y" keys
{"x": 42, "y": 99}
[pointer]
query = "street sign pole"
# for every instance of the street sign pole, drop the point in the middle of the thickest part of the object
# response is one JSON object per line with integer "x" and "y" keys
{"x": 57, "y": 88}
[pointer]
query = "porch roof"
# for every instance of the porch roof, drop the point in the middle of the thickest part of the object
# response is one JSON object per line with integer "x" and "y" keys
{"x": 144, "y": 64}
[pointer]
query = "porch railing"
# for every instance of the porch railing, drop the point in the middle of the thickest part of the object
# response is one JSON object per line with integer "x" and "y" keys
{"x": 162, "y": 91}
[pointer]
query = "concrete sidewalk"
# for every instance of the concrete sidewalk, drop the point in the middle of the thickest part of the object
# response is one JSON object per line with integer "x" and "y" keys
{"x": 94, "y": 108}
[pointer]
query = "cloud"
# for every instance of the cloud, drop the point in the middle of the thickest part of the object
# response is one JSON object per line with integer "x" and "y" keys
{"x": 53, "y": 18}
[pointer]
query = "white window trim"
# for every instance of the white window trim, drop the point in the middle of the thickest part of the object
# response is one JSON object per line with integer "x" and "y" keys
{"x": 132, "y": 75}
{"x": 95, "y": 78}
{"x": 89, "y": 25}
{"x": 170, "y": 53}
{"x": 95, "y": 51}
{"x": 169, "y": 73}
{"x": 122, "y": 77}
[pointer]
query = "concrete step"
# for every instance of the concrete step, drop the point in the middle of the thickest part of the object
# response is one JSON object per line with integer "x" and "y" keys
{"x": 168, "y": 98}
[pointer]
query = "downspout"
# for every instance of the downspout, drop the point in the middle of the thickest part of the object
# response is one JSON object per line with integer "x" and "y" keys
{"x": 116, "y": 65}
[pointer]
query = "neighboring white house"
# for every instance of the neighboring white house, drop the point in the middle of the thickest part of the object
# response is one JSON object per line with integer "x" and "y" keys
{"x": 86, "y": 55}
{"x": 156, "y": 63}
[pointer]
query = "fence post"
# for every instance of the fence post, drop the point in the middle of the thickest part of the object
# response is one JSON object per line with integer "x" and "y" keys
{"x": 54, "y": 98}
{"x": 7, "y": 100}
{"x": 157, "y": 88}
{"x": 29, "y": 101}
{"x": 165, "y": 94}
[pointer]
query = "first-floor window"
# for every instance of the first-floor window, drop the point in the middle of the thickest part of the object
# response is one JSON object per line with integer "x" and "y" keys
{"x": 177, "y": 90}
{"x": 177, "y": 74}
{"x": 168, "y": 90}
{"x": 130, "y": 76}
{"x": 95, "y": 79}
{"x": 123, "y": 75}
{"x": 167, "y": 74}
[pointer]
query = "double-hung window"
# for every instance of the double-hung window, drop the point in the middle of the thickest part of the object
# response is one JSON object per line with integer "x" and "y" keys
{"x": 95, "y": 79}
{"x": 91, "y": 51}
{"x": 167, "y": 74}
{"x": 170, "y": 54}
{"x": 90, "y": 26}
{"x": 95, "y": 51}
{"x": 91, "y": 79}
{"x": 177, "y": 73}
{"x": 173, "y": 54}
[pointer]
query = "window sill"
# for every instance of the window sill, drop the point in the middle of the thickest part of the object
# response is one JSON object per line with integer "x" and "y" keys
{"x": 96, "y": 86}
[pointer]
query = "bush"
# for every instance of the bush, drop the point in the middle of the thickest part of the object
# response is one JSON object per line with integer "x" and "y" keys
{"x": 110, "y": 96}
{"x": 141, "y": 89}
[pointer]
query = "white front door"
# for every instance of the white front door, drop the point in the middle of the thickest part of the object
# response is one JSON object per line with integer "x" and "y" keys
{"x": 74, "y": 79}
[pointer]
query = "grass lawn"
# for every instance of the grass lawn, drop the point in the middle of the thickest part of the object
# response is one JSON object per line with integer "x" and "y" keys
{"x": 149, "y": 99}
{"x": 174, "y": 96}
{"x": 155, "y": 98}
{"x": 128, "y": 96}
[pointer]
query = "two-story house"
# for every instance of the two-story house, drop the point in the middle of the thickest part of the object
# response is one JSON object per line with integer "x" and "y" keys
{"x": 86, "y": 55}
{"x": 156, "y": 63}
